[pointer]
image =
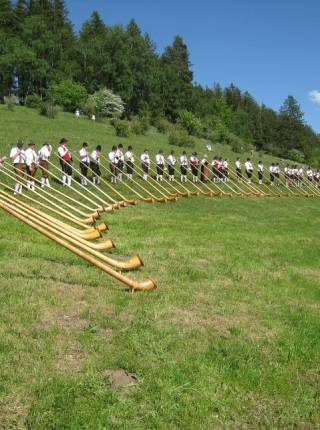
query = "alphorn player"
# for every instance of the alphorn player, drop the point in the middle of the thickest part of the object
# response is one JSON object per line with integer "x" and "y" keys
{"x": 84, "y": 163}
{"x": 225, "y": 167}
{"x": 120, "y": 156}
{"x": 43, "y": 157}
{"x": 31, "y": 165}
{"x": 65, "y": 162}
{"x": 249, "y": 169}
{"x": 160, "y": 165}
{"x": 145, "y": 164}
{"x": 129, "y": 160}
{"x": 194, "y": 161}
{"x": 18, "y": 158}
{"x": 171, "y": 163}
{"x": 205, "y": 171}
{"x": 95, "y": 164}
{"x": 260, "y": 169}
{"x": 184, "y": 167}
{"x": 113, "y": 164}
{"x": 238, "y": 169}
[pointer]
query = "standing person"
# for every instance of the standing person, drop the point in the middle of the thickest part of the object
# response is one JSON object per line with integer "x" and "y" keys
{"x": 277, "y": 174}
{"x": 160, "y": 165}
{"x": 184, "y": 167}
{"x": 129, "y": 160}
{"x": 249, "y": 169}
{"x": 300, "y": 176}
{"x": 113, "y": 163}
{"x": 317, "y": 178}
{"x": 95, "y": 164}
{"x": 31, "y": 165}
{"x": 43, "y": 156}
{"x": 120, "y": 156}
{"x": 238, "y": 169}
{"x": 77, "y": 113}
{"x": 65, "y": 162}
{"x": 18, "y": 158}
{"x": 260, "y": 170}
{"x": 225, "y": 167}
{"x": 271, "y": 172}
{"x": 205, "y": 172}
{"x": 84, "y": 163}
{"x": 194, "y": 161}
{"x": 309, "y": 174}
{"x": 215, "y": 169}
{"x": 171, "y": 163}
{"x": 287, "y": 175}
{"x": 145, "y": 164}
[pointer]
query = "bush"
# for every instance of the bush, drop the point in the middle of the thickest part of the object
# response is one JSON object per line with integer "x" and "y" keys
{"x": 89, "y": 108}
{"x": 9, "y": 102}
{"x": 68, "y": 94}
{"x": 296, "y": 155}
{"x": 33, "y": 101}
{"x": 121, "y": 127}
{"x": 140, "y": 125}
{"x": 163, "y": 125}
{"x": 181, "y": 138}
{"x": 107, "y": 104}
{"x": 49, "y": 110}
{"x": 190, "y": 122}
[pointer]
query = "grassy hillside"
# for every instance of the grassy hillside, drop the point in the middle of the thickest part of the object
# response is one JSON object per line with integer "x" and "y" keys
{"x": 27, "y": 124}
{"x": 230, "y": 339}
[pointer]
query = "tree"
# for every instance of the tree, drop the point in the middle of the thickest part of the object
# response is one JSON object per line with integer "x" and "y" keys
{"x": 107, "y": 104}
{"x": 68, "y": 94}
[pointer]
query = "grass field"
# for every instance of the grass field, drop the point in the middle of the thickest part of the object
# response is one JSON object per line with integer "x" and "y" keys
{"x": 229, "y": 340}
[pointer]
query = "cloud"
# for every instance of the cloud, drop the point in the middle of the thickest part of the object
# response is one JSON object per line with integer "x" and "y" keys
{"x": 314, "y": 96}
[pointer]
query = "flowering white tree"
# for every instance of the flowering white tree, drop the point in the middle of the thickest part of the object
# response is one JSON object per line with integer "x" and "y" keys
{"x": 107, "y": 104}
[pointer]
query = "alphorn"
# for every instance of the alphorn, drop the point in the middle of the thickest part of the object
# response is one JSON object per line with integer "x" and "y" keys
{"x": 146, "y": 285}
{"x": 94, "y": 214}
{"x": 65, "y": 228}
{"x": 133, "y": 263}
{"x": 89, "y": 220}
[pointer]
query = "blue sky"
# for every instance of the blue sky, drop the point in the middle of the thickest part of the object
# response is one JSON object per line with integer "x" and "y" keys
{"x": 269, "y": 48}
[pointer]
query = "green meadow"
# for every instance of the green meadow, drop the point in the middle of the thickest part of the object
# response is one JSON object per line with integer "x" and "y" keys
{"x": 228, "y": 340}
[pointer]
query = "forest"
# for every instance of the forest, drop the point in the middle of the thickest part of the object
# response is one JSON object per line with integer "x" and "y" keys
{"x": 43, "y": 59}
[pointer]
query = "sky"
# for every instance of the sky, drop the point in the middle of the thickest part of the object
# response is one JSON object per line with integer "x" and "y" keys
{"x": 267, "y": 47}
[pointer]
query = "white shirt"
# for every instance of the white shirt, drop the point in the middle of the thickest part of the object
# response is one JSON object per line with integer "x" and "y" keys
{"x": 310, "y": 173}
{"x": 31, "y": 156}
{"x": 129, "y": 156}
{"x": 119, "y": 154}
{"x": 84, "y": 156}
{"x": 45, "y": 153}
{"x": 238, "y": 164}
{"x": 172, "y": 160}
{"x": 260, "y": 167}
{"x": 159, "y": 159}
{"x": 113, "y": 157}
{"x": 204, "y": 161}
{"x": 194, "y": 160}
{"x": 276, "y": 169}
{"x": 95, "y": 156}
{"x": 225, "y": 164}
{"x": 145, "y": 159}
{"x": 184, "y": 160}
{"x": 272, "y": 169}
{"x": 248, "y": 165}
{"x": 301, "y": 172}
{"x": 17, "y": 155}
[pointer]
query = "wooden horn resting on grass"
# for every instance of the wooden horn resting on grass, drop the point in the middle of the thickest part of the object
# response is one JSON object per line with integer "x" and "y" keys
{"x": 41, "y": 193}
{"x": 64, "y": 228}
{"x": 131, "y": 264}
{"x": 148, "y": 284}
{"x": 94, "y": 232}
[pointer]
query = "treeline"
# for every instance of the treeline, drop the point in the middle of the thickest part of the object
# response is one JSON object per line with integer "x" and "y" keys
{"x": 39, "y": 49}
